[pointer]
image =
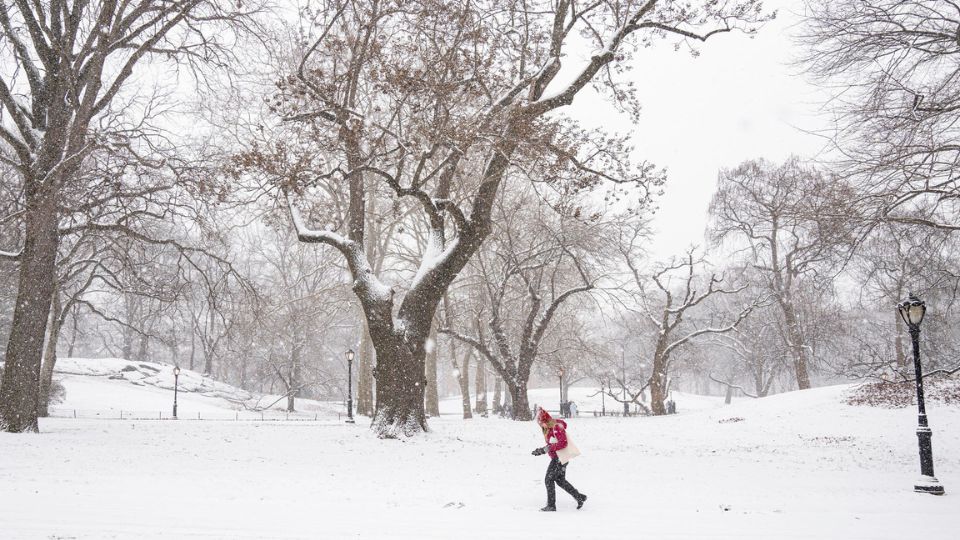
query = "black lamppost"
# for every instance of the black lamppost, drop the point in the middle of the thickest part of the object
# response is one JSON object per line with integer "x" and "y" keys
{"x": 623, "y": 378}
{"x": 561, "y": 392}
{"x": 603, "y": 400}
{"x": 911, "y": 311}
{"x": 176, "y": 384}
{"x": 350, "y": 354}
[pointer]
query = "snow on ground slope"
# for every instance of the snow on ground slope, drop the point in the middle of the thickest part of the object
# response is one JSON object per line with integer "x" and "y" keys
{"x": 801, "y": 465}
{"x": 115, "y": 388}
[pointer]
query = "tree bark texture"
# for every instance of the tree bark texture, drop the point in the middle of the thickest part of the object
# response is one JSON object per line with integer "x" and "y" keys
{"x": 49, "y": 356}
{"x": 481, "y": 390}
{"x": 20, "y": 392}
{"x": 797, "y": 348}
{"x": 464, "y": 380}
{"x": 401, "y": 383}
{"x": 433, "y": 401}
{"x": 365, "y": 375}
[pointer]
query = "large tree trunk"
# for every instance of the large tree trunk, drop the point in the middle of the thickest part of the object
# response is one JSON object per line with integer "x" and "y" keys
{"x": 293, "y": 380}
{"x": 175, "y": 352}
{"x": 365, "y": 375}
{"x": 143, "y": 349}
{"x": 898, "y": 340}
{"x": 49, "y": 356}
{"x": 797, "y": 348}
{"x": 433, "y": 400}
{"x": 758, "y": 380}
{"x": 497, "y": 395}
{"x": 658, "y": 386}
{"x": 481, "y": 390}
{"x": 291, "y": 401}
{"x": 401, "y": 383}
{"x": 208, "y": 343}
{"x": 126, "y": 350}
{"x": 20, "y": 391}
{"x": 464, "y": 380}
{"x": 464, "y": 370}
{"x": 207, "y": 360}
{"x": 74, "y": 331}
{"x": 520, "y": 402}
{"x": 193, "y": 348}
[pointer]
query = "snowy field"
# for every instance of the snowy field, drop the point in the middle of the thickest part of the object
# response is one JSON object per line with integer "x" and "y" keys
{"x": 800, "y": 465}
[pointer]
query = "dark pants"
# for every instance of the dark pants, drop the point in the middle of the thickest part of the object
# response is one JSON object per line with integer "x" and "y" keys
{"x": 557, "y": 474}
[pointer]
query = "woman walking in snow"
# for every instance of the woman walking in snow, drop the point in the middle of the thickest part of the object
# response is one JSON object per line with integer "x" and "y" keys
{"x": 555, "y": 435}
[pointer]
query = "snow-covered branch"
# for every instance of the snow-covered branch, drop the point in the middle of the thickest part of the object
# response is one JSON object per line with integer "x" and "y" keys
{"x": 305, "y": 234}
{"x": 476, "y": 343}
{"x": 711, "y": 330}
{"x": 24, "y": 125}
{"x": 565, "y": 95}
{"x": 10, "y": 255}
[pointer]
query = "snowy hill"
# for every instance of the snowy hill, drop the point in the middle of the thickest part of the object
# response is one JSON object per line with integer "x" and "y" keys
{"x": 115, "y": 388}
{"x": 802, "y": 465}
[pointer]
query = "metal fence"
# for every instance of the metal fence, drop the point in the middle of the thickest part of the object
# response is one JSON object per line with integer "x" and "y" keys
{"x": 237, "y": 416}
{"x": 263, "y": 416}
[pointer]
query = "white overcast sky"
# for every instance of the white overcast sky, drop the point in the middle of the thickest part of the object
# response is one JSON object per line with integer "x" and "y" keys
{"x": 740, "y": 99}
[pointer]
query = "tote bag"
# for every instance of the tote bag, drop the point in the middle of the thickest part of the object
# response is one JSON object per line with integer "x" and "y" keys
{"x": 568, "y": 452}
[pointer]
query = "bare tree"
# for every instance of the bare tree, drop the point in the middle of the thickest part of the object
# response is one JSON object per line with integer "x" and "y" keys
{"x": 461, "y": 370}
{"x": 754, "y": 350}
{"x": 537, "y": 262}
{"x": 64, "y": 65}
{"x": 896, "y": 260}
{"x": 789, "y": 222}
{"x": 896, "y": 103}
{"x": 623, "y": 381}
{"x": 669, "y": 308}
{"x": 442, "y": 98}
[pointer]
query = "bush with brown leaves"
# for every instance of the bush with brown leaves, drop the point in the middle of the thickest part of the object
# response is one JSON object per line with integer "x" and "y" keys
{"x": 888, "y": 394}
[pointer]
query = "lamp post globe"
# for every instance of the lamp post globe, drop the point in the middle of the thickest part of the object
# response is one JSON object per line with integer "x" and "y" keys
{"x": 912, "y": 311}
{"x": 350, "y": 354}
{"x": 176, "y": 384}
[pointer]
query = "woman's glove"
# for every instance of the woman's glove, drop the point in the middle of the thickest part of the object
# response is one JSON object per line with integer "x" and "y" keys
{"x": 540, "y": 451}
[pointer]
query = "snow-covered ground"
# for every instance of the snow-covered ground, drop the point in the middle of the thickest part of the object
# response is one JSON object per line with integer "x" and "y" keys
{"x": 106, "y": 388}
{"x": 798, "y": 465}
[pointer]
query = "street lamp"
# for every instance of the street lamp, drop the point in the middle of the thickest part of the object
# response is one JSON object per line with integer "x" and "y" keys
{"x": 561, "y": 391}
{"x": 623, "y": 375}
{"x": 603, "y": 400}
{"x": 911, "y": 311}
{"x": 176, "y": 383}
{"x": 350, "y": 354}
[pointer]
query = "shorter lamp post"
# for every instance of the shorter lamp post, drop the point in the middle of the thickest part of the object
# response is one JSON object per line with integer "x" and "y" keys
{"x": 561, "y": 392}
{"x": 912, "y": 311}
{"x": 603, "y": 400}
{"x": 350, "y": 354}
{"x": 176, "y": 384}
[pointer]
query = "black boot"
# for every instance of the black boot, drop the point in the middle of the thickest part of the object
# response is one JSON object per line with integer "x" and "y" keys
{"x": 580, "y": 500}
{"x": 548, "y": 508}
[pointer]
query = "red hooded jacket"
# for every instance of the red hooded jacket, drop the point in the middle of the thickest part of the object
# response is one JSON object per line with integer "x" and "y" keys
{"x": 558, "y": 433}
